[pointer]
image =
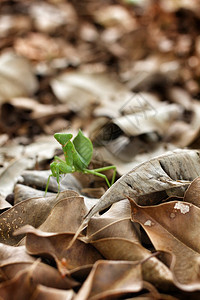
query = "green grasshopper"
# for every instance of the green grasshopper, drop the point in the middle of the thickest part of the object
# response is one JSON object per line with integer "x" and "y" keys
{"x": 78, "y": 154}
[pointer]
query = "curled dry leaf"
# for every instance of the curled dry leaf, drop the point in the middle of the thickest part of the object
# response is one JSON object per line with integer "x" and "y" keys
{"x": 10, "y": 254}
{"x": 3, "y": 203}
{"x": 121, "y": 155}
{"x": 11, "y": 173}
{"x": 36, "y": 110}
{"x": 39, "y": 179}
{"x": 48, "y": 17}
{"x": 80, "y": 89}
{"x": 27, "y": 279}
{"x": 114, "y": 223}
{"x": 192, "y": 194}
{"x": 46, "y": 293}
{"x": 66, "y": 216}
{"x": 17, "y": 78}
{"x": 43, "y": 148}
{"x": 173, "y": 227}
{"x": 151, "y": 120}
{"x": 24, "y": 192}
{"x": 111, "y": 279}
{"x": 169, "y": 172}
{"x": 32, "y": 211}
{"x": 41, "y": 274}
{"x": 11, "y": 287}
{"x": 56, "y": 246}
{"x": 153, "y": 270}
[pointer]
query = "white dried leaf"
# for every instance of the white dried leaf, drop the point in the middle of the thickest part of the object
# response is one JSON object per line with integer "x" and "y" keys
{"x": 16, "y": 77}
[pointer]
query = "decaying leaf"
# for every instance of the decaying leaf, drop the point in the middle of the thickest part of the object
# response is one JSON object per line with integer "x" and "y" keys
{"x": 192, "y": 194}
{"x": 23, "y": 192}
{"x": 41, "y": 274}
{"x": 114, "y": 223}
{"x": 55, "y": 245}
{"x": 173, "y": 227}
{"x": 62, "y": 217}
{"x": 81, "y": 89}
{"x": 32, "y": 211}
{"x": 17, "y": 78}
{"x": 11, "y": 287}
{"x": 39, "y": 179}
{"x": 153, "y": 270}
{"x": 150, "y": 120}
{"x": 10, "y": 254}
{"x": 169, "y": 173}
{"x": 111, "y": 279}
{"x": 28, "y": 278}
{"x": 3, "y": 203}
{"x": 10, "y": 175}
{"x": 46, "y": 293}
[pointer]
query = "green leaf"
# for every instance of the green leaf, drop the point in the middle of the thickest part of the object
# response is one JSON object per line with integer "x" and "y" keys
{"x": 83, "y": 147}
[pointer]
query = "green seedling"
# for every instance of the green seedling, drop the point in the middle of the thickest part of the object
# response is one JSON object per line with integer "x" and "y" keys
{"x": 78, "y": 154}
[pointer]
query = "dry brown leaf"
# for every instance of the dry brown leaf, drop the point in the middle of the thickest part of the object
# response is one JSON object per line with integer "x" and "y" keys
{"x": 169, "y": 173}
{"x": 151, "y": 120}
{"x": 46, "y": 293}
{"x": 48, "y": 17}
{"x": 10, "y": 175}
{"x": 24, "y": 192}
{"x": 81, "y": 89}
{"x": 110, "y": 280}
{"x": 39, "y": 180}
{"x": 36, "y": 110}
{"x": 16, "y": 76}
{"x": 173, "y": 227}
{"x": 114, "y": 223}
{"x": 10, "y": 254}
{"x": 115, "y": 15}
{"x": 32, "y": 211}
{"x": 153, "y": 270}
{"x": 66, "y": 216}
{"x": 4, "y": 204}
{"x": 23, "y": 280}
{"x": 41, "y": 274}
{"x": 121, "y": 155}
{"x": 81, "y": 273}
{"x": 56, "y": 246}
{"x": 192, "y": 194}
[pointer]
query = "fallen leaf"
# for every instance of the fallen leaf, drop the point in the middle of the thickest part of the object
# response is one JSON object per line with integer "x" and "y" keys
{"x": 173, "y": 227}
{"x": 3, "y": 203}
{"x": 10, "y": 174}
{"x": 153, "y": 270}
{"x": 24, "y": 192}
{"x": 56, "y": 246}
{"x": 39, "y": 180}
{"x": 81, "y": 90}
{"x": 114, "y": 223}
{"x": 32, "y": 211}
{"x": 170, "y": 173}
{"x": 17, "y": 78}
{"x": 10, "y": 254}
{"x": 62, "y": 217}
{"x": 192, "y": 194}
{"x": 46, "y": 293}
{"x": 110, "y": 280}
{"x": 11, "y": 287}
{"x": 151, "y": 120}
{"x": 41, "y": 274}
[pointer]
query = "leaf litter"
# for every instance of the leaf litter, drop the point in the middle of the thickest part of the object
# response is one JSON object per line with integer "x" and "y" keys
{"x": 68, "y": 66}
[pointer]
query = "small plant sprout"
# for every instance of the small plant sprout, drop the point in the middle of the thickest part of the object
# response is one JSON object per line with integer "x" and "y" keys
{"x": 78, "y": 154}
